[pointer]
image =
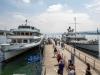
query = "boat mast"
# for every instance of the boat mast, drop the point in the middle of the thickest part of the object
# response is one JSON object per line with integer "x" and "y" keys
{"x": 75, "y": 25}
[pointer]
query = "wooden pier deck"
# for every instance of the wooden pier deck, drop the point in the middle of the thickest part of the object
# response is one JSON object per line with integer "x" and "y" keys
{"x": 50, "y": 62}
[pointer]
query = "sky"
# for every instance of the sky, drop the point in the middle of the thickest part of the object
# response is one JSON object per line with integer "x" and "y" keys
{"x": 51, "y": 15}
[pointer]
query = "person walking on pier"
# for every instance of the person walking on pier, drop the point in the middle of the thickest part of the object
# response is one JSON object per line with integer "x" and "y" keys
{"x": 61, "y": 67}
{"x": 88, "y": 70}
{"x": 62, "y": 45}
{"x": 55, "y": 52}
{"x": 71, "y": 68}
{"x": 59, "y": 57}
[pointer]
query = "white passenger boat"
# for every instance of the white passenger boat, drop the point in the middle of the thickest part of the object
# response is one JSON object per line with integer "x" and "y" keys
{"x": 80, "y": 41}
{"x": 18, "y": 40}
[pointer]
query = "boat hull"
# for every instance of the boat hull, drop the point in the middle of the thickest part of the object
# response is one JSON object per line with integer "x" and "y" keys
{"x": 16, "y": 51}
{"x": 11, "y": 54}
{"x": 90, "y": 47}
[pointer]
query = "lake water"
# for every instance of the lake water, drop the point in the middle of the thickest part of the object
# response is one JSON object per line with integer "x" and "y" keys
{"x": 27, "y": 63}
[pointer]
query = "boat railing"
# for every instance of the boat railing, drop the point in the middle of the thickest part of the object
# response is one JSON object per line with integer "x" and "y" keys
{"x": 1, "y": 56}
{"x": 93, "y": 41}
{"x": 94, "y": 62}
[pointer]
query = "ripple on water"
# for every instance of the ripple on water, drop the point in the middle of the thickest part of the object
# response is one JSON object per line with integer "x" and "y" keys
{"x": 27, "y": 63}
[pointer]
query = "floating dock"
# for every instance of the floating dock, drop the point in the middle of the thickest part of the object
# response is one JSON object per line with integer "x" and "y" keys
{"x": 50, "y": 68}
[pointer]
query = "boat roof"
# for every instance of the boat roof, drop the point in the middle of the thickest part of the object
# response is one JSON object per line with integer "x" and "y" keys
{"x": 26, "y": 26}
{"x": 4, "y": 44}
{"x": 4, "y": 31}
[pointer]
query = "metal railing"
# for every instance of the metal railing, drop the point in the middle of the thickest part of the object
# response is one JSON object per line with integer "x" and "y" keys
{"x": 43, "y": 66}
{"x": 95, "y": 63}
{"x": 1, "y": 56}
{"x": 43, "y": 71}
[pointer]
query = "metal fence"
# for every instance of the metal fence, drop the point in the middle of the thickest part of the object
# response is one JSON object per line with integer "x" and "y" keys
{"x": 95, "y": 63}
{"x": 43, "y": 66}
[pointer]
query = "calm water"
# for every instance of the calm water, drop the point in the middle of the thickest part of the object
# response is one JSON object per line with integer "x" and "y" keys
{"x": 27, "y": 63}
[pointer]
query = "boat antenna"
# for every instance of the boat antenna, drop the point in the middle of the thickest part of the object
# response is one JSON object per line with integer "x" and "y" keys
{"x": 26, "y": 22}
{"x": 97, "y": 30}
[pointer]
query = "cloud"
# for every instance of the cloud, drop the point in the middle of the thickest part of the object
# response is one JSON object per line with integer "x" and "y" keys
{"x": 33, "y": 1}
{"x": 13, "y": 20}
{"x": 55, "y": 8}
{"x": 57, "y": 19}
{"x": 26, "y": 1}
{"x": 94, "y": 6}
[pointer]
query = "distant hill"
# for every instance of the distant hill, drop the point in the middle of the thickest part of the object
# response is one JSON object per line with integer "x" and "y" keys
{"x": 90, "y": 32}
{"x": 53, "y": 33}
{"x": 84, "y": 32}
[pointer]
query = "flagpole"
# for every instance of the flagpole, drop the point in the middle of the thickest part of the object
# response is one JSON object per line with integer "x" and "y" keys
{"x": 73, "y": 54}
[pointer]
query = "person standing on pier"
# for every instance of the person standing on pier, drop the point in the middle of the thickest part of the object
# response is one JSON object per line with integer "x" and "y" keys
{"x": 62, "y": 45}
{"x": 55, "y": 52}
{"x": 55, "y": 42}
{"x": 61, "y": 67}
{"x": 88, "y": 70}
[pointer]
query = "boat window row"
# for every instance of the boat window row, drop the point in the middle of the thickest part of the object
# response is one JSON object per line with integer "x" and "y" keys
{"x": 24, "y": 40}
{"x": 1, "y": 33}
{"x": 26, "y": 33}
{"x": 25, "y": 27}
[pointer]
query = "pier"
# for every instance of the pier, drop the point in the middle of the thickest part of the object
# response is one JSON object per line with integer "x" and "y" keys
{"x": 49, "y": 63}
{"x": 49, "y": 37}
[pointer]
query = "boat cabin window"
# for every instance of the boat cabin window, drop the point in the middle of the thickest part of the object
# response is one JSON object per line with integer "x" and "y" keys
{"x": 35, "y": 34}
{"x": 26, "y": 33}
{"x": 24, "y": 27}
{"x": 15, "y": 33}
{"x": 19, "y": 41}
{"x": 25, "y": 41}
{"x": 32, "y": 27}
{"x": 18, "y": 33}
{"x": 37, "y": 40}
{"x": 30, "y": 33}
{"x": 32, "y": 40}
{"x": 22, "y": 33}
{"x": 1, "y": 33}
{"x": 13, "y": 41}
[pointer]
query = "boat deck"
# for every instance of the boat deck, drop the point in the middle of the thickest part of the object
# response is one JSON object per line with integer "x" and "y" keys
{"x": 50, "y": 62}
